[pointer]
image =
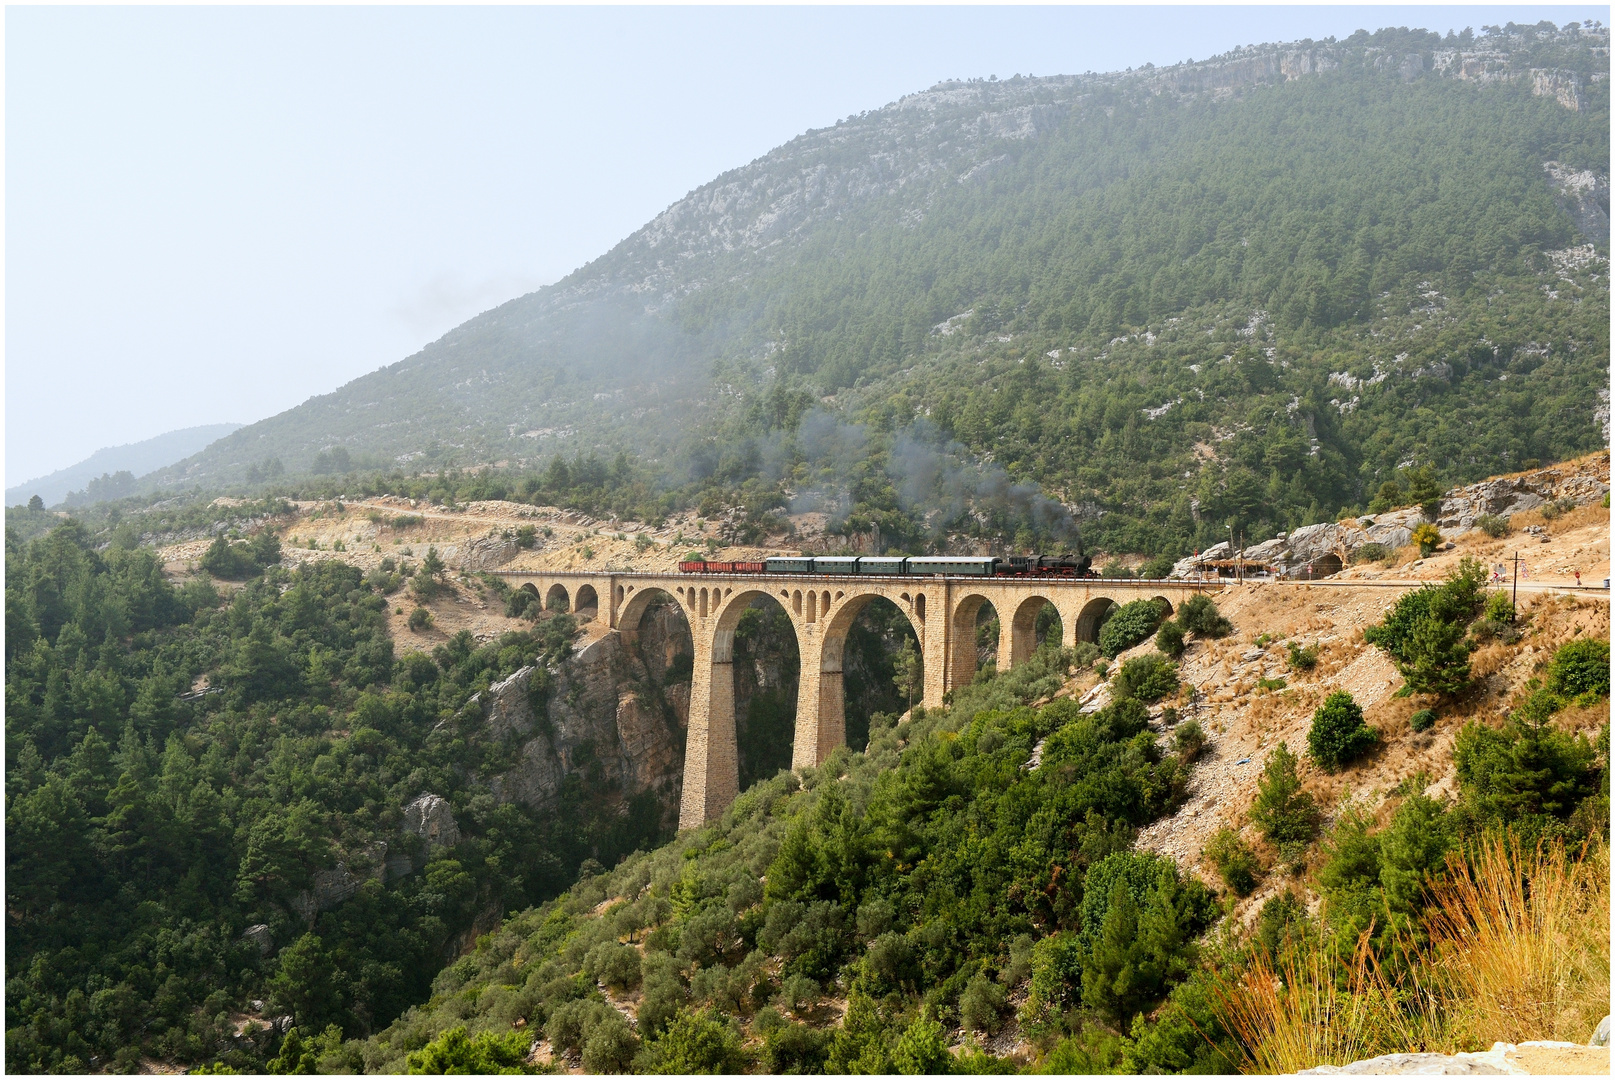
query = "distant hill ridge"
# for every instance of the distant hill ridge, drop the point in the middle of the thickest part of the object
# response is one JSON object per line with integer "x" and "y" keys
{"x": 137, "y": 458}
{"x": 1304, "y": 193}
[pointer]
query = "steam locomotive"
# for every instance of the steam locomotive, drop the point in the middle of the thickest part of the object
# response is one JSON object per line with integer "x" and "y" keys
{"x": 904, "y": 566}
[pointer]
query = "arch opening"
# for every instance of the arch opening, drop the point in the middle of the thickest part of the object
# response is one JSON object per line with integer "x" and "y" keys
{"x": 873, "y": 666}
{"x": 766, "y": 668}
{"x": 975, "y": 639}
{"x": 556, "y": 599}
{"x": 1036, "y": 623}
{"x": 1092, "y": 617}
{"x": 588, "y": 603}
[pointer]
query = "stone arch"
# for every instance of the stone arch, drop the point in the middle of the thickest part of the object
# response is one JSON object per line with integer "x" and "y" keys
{"x": 587, "y": 599}
{"x": 711, "y": 757}
{"x": 556, "y": 598}
{"x": 821, "y": 709}
{"x": 634, "y": 610}
{"x": 1022, "y": 636}
{"x": 529, "y": 587}
{"x": 1169, "y": 609}
{"x": 963, "y": 660}
{"x": 1092, "y": 617}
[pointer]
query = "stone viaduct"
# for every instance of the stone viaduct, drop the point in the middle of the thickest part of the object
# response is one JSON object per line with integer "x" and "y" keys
{"x": 942, "y": 611}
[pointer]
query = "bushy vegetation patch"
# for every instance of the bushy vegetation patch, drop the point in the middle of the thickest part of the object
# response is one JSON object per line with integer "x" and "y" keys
{"x": 149, "y": 823}
{"x": 1425, "y": 632}
{"x": 1199, "y": 615}
{"x": 1130, "y": 624}
{"x": 1338, "y": 735}
{"x": 1148, "y": 678}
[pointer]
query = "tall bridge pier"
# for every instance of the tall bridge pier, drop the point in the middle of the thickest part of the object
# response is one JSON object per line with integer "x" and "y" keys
{"x": 941, "y": 610}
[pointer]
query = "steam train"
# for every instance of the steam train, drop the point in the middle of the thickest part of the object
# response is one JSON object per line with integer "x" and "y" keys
{"x": 904, "y": 566}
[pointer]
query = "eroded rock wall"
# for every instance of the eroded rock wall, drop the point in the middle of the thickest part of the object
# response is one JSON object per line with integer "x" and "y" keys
{"x": 613, "y": 714}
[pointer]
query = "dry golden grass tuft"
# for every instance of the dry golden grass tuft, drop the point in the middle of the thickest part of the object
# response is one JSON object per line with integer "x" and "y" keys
{"x": 1518, "y": 950}
{"x": 1579, "y": 518}
{"x": 1521, "y": 939}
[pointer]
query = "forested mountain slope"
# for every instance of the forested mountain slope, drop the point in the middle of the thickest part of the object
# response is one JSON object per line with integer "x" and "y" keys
{"x": 1251, "y": 288}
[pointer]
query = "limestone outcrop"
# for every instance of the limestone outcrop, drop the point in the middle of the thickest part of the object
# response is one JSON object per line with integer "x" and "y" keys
{"x": 618, "y": 711}
{"x": 432, "y": 819}
{"x": 1316, "y": 550}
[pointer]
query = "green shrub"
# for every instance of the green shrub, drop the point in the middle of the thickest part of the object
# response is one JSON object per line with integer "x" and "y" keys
{"x": 610, "y": 1045}
{"x": 1084, "y": 655}
{"x": 1427, "y": 536}
{"x": 1156, "y": 567}
{"x": 1338, "y": 735}
{"x": 1557, "y": 507}
{"x": 1131, "y": 624}
{"x": 1189, "y": 739}
{"x": 701, "y": 1043}
{"x": 1169, "y": 639}
{"x": 922, "y": 1049}
{"x": 453, "y": 1053}
{"x": 982, "y": 1005}
{"x": 420, "y": 619}
{"x": 1528, "y": 776}
{"x": 1423, "y": 720}
{"x": 1199, "y": 615}
{"x": 1580, "y": 667}
{"x": 1139, "y": 920}
{"x": 1499, "y": 607}
{"x": 526, "y": 537}
{"x": 1370, "y": 553}
{"x": 1282, "y": 920}
{"x": 791, "y": 1048}
{"x": 1303, "y": 658}
{"x": 1493, "y": 525}
{"x": 1236, "y": 863}
{"x": 1147, "y": 678}
{"x": 236, "y": 562}
{"x": 1286, "y": 815}
{"x": 615, "y": 965}
{"x": 1424, "y": 632}
{"x": 521, "y": 602}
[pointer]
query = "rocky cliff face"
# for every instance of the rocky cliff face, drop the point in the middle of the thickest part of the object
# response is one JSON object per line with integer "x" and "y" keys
{"x": 614, "y": 715}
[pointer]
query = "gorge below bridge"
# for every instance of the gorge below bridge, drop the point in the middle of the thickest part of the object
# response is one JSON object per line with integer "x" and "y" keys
{"x": 821, "y": 608}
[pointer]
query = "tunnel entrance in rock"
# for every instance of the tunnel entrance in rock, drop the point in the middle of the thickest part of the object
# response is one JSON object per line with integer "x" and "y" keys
{"x": 1321, "y": 567}
{"x": 883, "y": 669}
{"x": 767, "y": 673}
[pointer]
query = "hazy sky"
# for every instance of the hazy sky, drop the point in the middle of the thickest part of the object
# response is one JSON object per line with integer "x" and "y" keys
{"x": 214, "y": 213}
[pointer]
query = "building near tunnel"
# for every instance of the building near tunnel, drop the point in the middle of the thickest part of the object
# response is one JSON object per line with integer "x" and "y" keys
{"x": 942, "y": 611}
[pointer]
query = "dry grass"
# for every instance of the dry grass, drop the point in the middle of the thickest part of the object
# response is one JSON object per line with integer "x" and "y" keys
{"x": 1522, "y": 940}
{"x": 1301, "y": 1016}
{"x": 1580, "y": 517}
{"x": 1519, "y": 949}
